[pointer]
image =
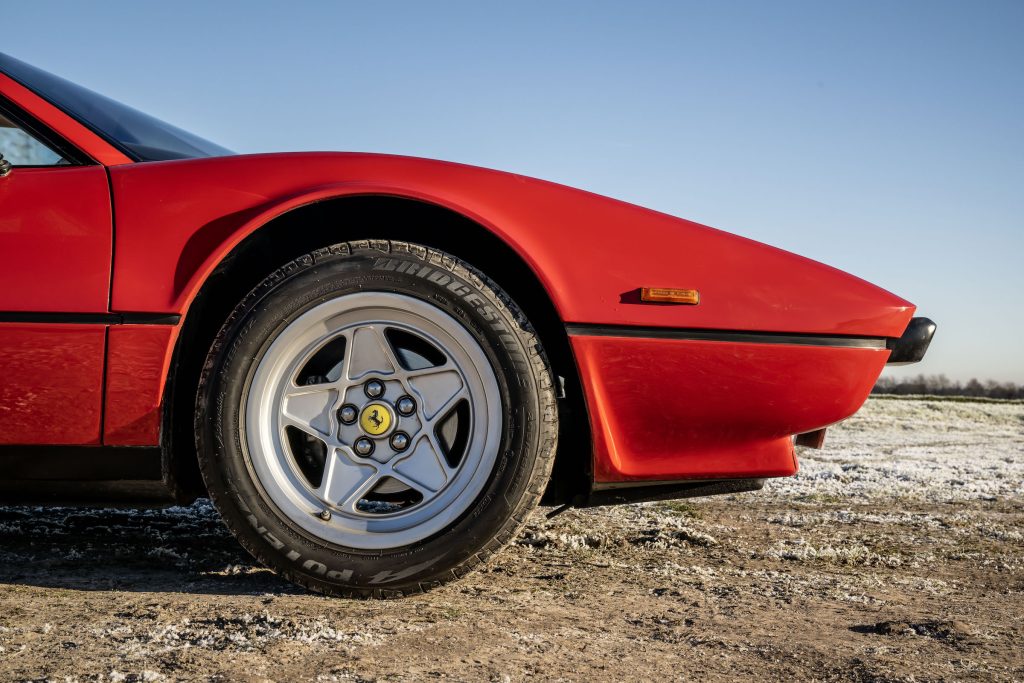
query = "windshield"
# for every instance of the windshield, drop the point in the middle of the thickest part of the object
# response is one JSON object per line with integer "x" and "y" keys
{"x": 140, "y": 136}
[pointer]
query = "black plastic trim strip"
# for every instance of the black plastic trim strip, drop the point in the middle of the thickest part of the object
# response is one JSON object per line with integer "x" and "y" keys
{"x": 80, "y": 463}
{"x": 685, "y": 334}
{"x": 126, "y": 493}
{"x": 90, "y": 318}
{"x": 75, "y": 475}
{"x": 911, "y": 347}
{"x": 649, "y": 491}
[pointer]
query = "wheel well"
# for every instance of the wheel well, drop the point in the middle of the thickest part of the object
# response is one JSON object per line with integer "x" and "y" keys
{"x": 371, "y": 217}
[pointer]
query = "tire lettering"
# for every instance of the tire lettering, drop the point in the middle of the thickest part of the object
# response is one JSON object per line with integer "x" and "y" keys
{"x": 458, "y": 288}
{"x": 345, "y": 575}
{"x": 315, "y": 567}
{"x": 439, "y": 278}
{"x": 272, "y": 540}
{"x": 443, "y": 279}
{"x": 388, "y": 575}
{"x": 312, "y": 566}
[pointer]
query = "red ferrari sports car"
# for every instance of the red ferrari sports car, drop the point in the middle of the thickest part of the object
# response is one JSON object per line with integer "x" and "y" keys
{"x": 377, "y": 366}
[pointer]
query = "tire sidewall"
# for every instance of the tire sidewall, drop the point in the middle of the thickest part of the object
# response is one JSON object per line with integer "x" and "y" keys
{"x": 433, "y": 277}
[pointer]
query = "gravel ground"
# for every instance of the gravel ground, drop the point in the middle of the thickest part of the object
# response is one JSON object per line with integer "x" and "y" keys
{"x": 896, "y": 554}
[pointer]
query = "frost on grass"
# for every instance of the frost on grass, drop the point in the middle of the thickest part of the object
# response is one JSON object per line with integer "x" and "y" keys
{"x": 535, "y": 537}
{"x": 663, "y": 538}
{"x": 928, "y": 451}
{"x": 178, "y": 538}
{"x": 10, "y": 641}
{"x": 855, "y": 554}
{"x": 649, "y": 526}
{"x": 145, "y": 676}
{"x": 247, "y": 632}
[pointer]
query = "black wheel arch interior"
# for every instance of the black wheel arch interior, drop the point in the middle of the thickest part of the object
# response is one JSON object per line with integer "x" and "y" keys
{"x": 369, "y": 217}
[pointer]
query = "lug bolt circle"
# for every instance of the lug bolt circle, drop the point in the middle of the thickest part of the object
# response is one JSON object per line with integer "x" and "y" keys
{"x": 374, "y": 388}
{"x": 348, "y": 413}
{"x": 399, "y": 441}
{"x": 406, "y": 405}
{"x": 363, "y": 446}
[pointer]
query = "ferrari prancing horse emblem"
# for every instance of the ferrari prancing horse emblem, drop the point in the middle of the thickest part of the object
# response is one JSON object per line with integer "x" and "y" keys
{"x": 376, "y": 419}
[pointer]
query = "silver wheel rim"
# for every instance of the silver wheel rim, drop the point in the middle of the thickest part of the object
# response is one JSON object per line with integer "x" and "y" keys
{"x": 344, "y": 507}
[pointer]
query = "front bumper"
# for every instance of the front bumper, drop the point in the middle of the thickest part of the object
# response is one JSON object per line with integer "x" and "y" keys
{"x": 671, "y": 409}
{"x": 911, "y": 347}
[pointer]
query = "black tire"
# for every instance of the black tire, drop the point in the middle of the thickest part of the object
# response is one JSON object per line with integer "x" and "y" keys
{"x": 528, "y": 435}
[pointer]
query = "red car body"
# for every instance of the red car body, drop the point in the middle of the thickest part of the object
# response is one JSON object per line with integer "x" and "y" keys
{"x": 102, "y": 266}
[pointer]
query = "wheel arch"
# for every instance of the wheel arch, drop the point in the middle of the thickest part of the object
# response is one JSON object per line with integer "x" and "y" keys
{"x": 278, "y": 236}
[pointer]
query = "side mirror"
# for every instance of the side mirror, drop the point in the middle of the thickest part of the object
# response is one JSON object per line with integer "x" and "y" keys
{"x": 5, "y": 166}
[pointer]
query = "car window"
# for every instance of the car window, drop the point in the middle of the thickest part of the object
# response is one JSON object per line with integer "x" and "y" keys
{"x": 21, "y": 149}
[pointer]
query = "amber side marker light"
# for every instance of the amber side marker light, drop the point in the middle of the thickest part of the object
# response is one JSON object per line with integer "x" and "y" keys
{"x": 662, "y": 295}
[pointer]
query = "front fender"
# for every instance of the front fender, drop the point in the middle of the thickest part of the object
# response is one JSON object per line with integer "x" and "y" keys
{"x": 177, "y": 220}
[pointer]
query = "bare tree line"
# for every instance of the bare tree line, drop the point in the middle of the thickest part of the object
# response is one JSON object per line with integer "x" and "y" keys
{"x": 940, "y": 385}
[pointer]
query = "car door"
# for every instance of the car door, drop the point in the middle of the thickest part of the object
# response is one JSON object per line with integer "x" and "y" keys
{"x": 55, "y": 256}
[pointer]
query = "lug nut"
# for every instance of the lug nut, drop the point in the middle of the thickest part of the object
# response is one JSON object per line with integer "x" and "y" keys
{"x": 400, "y": 441}
{"x": 363, "y": 446}
{"x": 406, "y": 405}
{"x": 374, "y": 388}
{"x": 348, "y": 414}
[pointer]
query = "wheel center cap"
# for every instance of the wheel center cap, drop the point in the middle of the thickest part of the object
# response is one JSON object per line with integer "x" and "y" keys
{"x": 376, "y": 418}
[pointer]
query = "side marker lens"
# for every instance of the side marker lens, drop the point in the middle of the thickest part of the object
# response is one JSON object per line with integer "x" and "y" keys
{"x": 661, "y": 295}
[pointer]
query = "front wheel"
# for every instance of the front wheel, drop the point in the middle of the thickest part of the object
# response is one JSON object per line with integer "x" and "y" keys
{"x": 375, "y": 418}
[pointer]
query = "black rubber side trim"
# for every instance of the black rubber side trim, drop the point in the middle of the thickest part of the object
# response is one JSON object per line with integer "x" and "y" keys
{"x": 90, "y": 318}
{"x": 128, "y": 493}
{"x": 640, "y": 492}
{"x": 149, "y": 318}
{"x": 79, "y": 463}
{"x": 75, "y": 475}
{"x": 835, "y": 340}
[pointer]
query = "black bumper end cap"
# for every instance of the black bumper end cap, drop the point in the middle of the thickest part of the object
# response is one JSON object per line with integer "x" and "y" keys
{"x": 911, "y": 347}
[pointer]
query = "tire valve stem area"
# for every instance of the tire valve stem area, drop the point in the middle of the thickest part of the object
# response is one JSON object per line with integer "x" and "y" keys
{"x": 325, "y": 515}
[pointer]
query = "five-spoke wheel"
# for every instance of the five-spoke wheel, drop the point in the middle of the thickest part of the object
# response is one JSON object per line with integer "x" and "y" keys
{"x": 375, "y": 418}
{"x": 379, "y": 410}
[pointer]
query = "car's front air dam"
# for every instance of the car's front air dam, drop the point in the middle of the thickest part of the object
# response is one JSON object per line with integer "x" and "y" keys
{"x": 666, "y": 409}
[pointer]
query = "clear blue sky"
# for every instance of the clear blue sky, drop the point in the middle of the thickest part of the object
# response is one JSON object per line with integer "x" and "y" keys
{"x": 884, "y": 138}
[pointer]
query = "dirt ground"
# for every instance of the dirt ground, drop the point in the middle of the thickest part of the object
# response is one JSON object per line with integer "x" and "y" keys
{"x": 897, "y": 554}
